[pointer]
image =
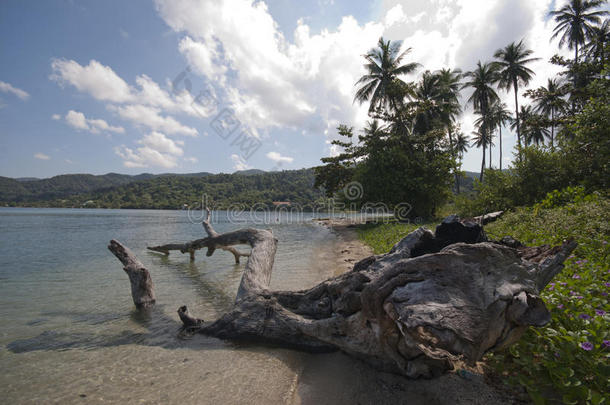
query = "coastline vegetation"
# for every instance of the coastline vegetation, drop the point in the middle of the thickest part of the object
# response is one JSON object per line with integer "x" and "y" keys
{"x": 556, "y": 188}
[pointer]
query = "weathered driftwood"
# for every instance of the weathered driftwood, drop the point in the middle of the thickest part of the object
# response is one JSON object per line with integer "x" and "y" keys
{"x": 192, "y": 246}
{"x": 142, "y": 288}
{"x": 433, "y": 299}
{"x": 487, "y": 218}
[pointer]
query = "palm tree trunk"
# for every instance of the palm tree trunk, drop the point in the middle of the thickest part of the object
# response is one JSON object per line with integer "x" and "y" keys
{"x": 482, "y": 165}
{"x": 500, "y": 136}
{"x": 517, "y": 118}
{"x": 552, "y": 128}
{"x": 490, "y": 144}
{"x": 454, "y": 157}
{"x": 574, "y": 80}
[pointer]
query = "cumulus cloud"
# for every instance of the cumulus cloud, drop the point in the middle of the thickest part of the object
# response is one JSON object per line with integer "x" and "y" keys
{"x": 98, "y": 80}
{"x": 77, "y": 120}
{"x": 8, "y": 88}
{"x": 145, "y": 104}
{"x": 239, "y": 163}
{"x": 305, "y": 84}
{"x": 41, "y": 156}
{"x": 156, "y": 150}
{"x": 104, "y": 84}
{"x": 151, "y": 117}
{"x": 279, "y": 159}
{"x": 56, "y": 117}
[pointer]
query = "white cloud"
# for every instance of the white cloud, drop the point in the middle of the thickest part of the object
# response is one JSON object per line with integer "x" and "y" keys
{"x": 77, "y": 119}
{"x": 191, "y": 159}
{"x": 151, "y": 117}
{"x": 56, "y": 117}
{"x": 279, "y": 159}
{"x": 104, "y": 84}
{"x": 145, "y": 104}
{"x": 305, "y": 84}
{"x": 156, "y": 150}
{"x": 239, "y": 163}
{"x": 8, "y": 88}
{"x": 98, "y": 80}
{"x": 159, "y": 142}
{"x": 41, "y": 156}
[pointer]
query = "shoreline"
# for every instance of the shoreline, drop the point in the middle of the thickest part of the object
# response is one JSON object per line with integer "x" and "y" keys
{"x": 350, "y": 249}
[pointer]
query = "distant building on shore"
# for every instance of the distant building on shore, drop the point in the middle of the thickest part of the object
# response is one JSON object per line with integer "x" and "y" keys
{"x": 281, "y": 203}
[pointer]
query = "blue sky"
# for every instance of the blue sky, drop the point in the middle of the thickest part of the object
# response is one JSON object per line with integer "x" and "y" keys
{"x": 96, "y": 86}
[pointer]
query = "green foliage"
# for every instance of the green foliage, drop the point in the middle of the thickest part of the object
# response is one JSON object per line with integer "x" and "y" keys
{"x": 173, "y": 191}
{"x": 558, "y": 198}
{"x": 585, "y": 141}
{"x": 415, "y": 171}
{"x": 568, "y": 359}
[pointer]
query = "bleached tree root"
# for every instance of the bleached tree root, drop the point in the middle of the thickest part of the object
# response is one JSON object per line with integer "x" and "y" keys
{"x": 433, "y": 299}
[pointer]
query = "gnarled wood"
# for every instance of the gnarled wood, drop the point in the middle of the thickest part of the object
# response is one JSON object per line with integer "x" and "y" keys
{"x": 209, "y": 243}
{"x": 433, "y": 299}
{"x": 142, "y": 288}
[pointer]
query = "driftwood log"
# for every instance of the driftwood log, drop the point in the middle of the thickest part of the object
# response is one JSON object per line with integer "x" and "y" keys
{"x": 435, "y": 298}
{"x": 197, "y": 244}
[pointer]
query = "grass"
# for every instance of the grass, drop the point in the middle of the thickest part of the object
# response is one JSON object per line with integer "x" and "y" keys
{"x": 566, "y": 361}
{"x": 381, "y": 237}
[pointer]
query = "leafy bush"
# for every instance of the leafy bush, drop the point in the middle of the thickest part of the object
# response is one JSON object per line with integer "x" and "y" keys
{"x": 558, "y": 198}
{"x": 568, "y": 359}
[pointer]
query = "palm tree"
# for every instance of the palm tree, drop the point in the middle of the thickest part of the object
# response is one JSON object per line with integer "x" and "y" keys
{"x": 499, "y": 116}
{"x": 481, "y": 79}
{"x": 534, "y": 130}
{"x": 461, "y": 144}
{"x": 427, "y": 102}
{"x": 511, "y": 62}
{"x": 599, "y": 37}
{"x": 449, "y": 82}
{"x": 550, "y": 102}
{"x": 575, "y": 22}
{"x": 487, "y": 124}
{"x": 382, "y": 85}
{"x": 481, "y": 139}
{"x": 459, "y": 148}
{"x": 450, "y": 108}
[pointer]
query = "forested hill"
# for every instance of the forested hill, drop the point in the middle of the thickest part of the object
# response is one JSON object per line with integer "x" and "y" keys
{"x": 167, "y": 191}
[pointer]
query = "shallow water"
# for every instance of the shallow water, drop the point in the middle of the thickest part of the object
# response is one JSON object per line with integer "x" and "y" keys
{"x": 69, "y": 331}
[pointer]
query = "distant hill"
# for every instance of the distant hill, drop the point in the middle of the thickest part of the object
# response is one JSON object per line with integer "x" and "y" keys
{"x": 60, "y": 186}
{"x": 169, "y": 191}
{"x": 250, "y": 172}
{"x": 27, "y": 178}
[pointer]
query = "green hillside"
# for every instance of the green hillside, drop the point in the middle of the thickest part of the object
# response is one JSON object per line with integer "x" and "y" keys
{"x": 168, "y": 191}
